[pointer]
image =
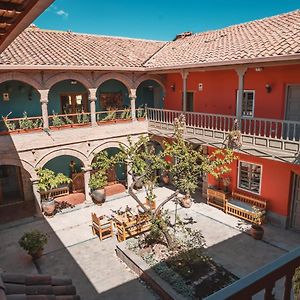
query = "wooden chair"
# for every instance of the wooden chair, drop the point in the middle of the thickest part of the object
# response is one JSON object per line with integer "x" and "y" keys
{"x": 104, "y": 229}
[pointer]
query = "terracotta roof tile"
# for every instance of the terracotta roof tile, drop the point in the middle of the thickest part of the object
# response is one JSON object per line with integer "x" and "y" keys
{"x": 262, "y": 39}
{"x": 43, "y": 47}
{"x": 269, "y": 37}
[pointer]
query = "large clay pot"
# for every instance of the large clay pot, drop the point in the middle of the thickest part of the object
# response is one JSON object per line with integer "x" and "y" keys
{"x": 257, "y": 231}
{"x": 48, "y": 206}
{"x": 186, "y": 201}
{"x": 98, "y": 196}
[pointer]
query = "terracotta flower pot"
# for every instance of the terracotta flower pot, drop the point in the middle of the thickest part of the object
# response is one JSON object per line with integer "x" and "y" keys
{"x": 37, "y": 254}
{"x": 257, "y": 231}
{"x": 186, "y": 201}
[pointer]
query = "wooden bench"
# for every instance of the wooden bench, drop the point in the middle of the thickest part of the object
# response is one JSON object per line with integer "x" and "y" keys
{"x": 129, "y": 226}
{"x": 242, "y": 206}
{"x": 55, "y": 193}
{"x": 238, "y": 204}
{"x": 217, "y": 198}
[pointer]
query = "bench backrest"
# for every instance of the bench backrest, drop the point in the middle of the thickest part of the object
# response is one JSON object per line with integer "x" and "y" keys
{"x": 254, "y": 201}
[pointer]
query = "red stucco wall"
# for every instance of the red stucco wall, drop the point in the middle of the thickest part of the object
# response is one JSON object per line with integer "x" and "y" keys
{"x": 219, "y": 90}
{"x": 275, "y": 183}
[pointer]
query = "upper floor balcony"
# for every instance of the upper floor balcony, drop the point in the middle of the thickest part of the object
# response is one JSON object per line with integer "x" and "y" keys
{"x": 269, "y": 138}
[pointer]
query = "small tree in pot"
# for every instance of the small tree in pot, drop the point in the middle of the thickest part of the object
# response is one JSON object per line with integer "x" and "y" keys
{"x": 33, "y": 242}
{"x": 257, "y": 230}
{"x": 48, "y": 181}
{"x": 98, "y": 180}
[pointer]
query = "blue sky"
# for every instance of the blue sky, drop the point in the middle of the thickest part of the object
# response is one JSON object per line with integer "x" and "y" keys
{"x": 156, "y": 19}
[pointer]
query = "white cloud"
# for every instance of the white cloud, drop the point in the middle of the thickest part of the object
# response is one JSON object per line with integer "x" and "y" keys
{"x": 62, "y": 13}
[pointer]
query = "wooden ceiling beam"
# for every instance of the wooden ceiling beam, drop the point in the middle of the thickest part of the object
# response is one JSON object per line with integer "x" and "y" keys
{"x": 11, "y": 7}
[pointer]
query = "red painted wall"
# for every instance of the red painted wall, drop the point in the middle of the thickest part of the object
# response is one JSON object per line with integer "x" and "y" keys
{"x": 275, "y": 183}
{"x": 220, "y": 88}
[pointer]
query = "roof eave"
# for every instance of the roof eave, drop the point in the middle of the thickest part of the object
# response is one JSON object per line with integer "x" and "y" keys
{"x": 68, "y": 67}
{"x": 283, "y": 58}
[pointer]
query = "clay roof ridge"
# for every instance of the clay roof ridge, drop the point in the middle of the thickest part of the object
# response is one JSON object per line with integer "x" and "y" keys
{"x": 149, "y": 58}
{"x": 31, "y": 28}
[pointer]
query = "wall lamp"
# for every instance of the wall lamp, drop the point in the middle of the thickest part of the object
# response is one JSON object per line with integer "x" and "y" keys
{"x": 268, "y": 88}
{"x": 173, "y": 87}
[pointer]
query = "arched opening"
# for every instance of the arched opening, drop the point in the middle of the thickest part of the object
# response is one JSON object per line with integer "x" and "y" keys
{"x": 112, "y": 94}
{"x": 71, "y": 167}
{"x": 118, "y": 173}
{"x": 19, "y": 100}
{"x": 68, "y": 97}
{"x": 150, "y": 93}
{"x": 16, "y": 194}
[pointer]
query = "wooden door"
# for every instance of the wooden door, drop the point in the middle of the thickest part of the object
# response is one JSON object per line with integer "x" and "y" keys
{"x": 73, "y": 103}
{"x": 78, "y": 182}
{"x": 295, "y": 213}
{"x": 293, "y": 112}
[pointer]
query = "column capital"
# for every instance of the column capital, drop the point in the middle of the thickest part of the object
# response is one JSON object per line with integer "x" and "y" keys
{"x": 241, "y": 70}
{"x": 44, "y": 95}
{"x": 92, "y": 94}
{"x": 132, "y": 93}
{"x": 184, "y": 74}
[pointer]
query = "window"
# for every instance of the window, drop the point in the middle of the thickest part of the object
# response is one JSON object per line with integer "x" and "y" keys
{"x": 248, "y": 104}
{"x": 250, "y": 177}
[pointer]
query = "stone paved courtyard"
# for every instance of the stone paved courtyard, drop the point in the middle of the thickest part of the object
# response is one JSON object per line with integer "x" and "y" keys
{"x": 97, "y": 273}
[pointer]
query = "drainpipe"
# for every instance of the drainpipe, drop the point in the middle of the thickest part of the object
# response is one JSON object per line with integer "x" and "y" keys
{"x": 240, "y": 72}
{"x": 92, "y": 100}
{"x": 184, "y": 75}
{"x": 132, "y": 97}
{"x": 44, "y": 106}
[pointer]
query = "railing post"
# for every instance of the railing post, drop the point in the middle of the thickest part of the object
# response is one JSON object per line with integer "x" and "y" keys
{"x": 44, "y": 106}
{"x": 92, "y": 100}
{"x": 184, "y": 75}
{"x": 240, "y": 72}
{"x": 132, "y": 97}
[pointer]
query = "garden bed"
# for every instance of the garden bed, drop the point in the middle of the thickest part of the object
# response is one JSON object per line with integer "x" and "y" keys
{"x": 187, "y": 273}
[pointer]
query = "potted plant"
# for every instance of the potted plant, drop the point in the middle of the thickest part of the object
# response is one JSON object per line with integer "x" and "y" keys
{"x": 33, "y": 242}
{"x": 257, "y": 230}
{"x": 98, "y": 179}
{"x": 47, "y": 181}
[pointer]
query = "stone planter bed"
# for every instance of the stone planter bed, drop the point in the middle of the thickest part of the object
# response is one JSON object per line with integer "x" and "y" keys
{"x": 171, "y": 278}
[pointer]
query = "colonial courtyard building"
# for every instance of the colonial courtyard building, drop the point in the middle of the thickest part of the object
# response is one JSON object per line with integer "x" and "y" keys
{"x": 60, "y": 92}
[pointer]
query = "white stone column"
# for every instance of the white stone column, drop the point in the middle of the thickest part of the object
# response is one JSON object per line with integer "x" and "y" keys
{"x": 44, "y": 105}
{"x": 184, "y": 75}
{"x": 93, "y": 99}
{"x": 132, "y": 97}
{"x": 37, "y": 196}
{"x": 240, "y": 72}
{"x": 87, "y": 190}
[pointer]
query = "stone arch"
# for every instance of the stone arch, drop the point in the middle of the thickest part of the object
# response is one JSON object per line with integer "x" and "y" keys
{"x": 63, "y": 151}
{"x": 67, "y": 76}
{"x": 19, "y": 163}
{"x": 18, "y": 76}
{"x": 155, "y": 78}
{"x": 116, "y": 76}
{"x": 158, "y": 140}
{"x": 99, "y": 148}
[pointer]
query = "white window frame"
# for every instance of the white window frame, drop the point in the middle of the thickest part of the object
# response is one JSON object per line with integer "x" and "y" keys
{"x": 238, "y": 177}
{"x": 253, "y": 107}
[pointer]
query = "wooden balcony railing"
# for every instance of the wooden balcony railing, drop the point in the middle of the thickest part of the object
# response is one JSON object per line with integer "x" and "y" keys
{"x": 267, "y": 128}
{"x": 264, "y": 281}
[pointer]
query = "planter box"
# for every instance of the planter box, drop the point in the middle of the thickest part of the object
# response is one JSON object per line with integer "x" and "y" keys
{"x": 140, "y": 267}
